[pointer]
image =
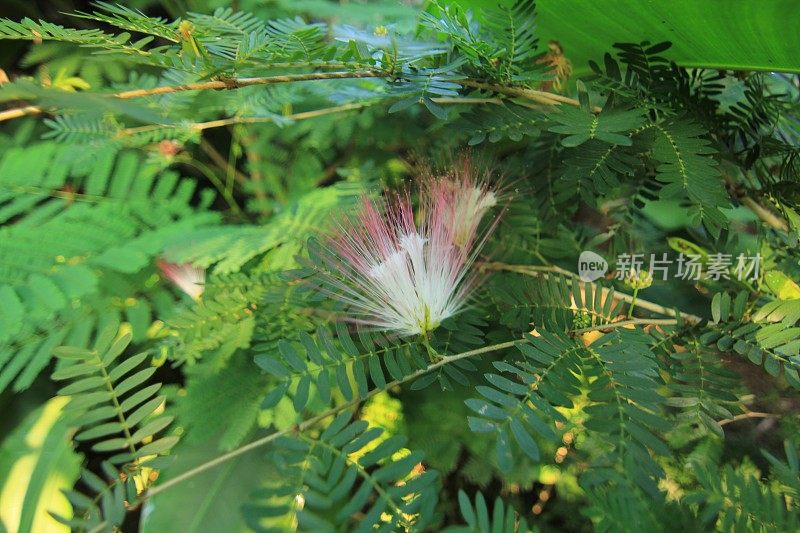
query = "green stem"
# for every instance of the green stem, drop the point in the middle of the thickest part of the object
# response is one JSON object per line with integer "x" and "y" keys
{"x": 433, "y": 355}
{"x": 230, "y": 167}
{"x": 633, "y": 302}
{"x": 208, "y": 173}
{"x": 199, "y": 469}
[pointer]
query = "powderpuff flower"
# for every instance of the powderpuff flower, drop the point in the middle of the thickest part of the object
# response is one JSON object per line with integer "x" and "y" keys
{"x": 188, "y": 278}
{"x": 405, "y": 275}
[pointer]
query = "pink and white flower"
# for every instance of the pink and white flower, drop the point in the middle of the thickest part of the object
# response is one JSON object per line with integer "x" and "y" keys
{"x": 408, "y": 276}
{"x": 190, "y": 279}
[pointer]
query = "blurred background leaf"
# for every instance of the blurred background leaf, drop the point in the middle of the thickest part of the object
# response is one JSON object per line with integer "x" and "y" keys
{"x": 36, "y": 462}
{"x": 210, "y": 501}
{"x": 712, "y": 33}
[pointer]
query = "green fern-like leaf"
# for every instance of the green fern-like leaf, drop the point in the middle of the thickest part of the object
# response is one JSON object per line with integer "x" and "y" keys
{"x": 111, "y": 402}
{"x": 703, "y": 388}
{"x": 221, "y": 320}
{"x": 105, "y": 510}
{"x": 788, "y": 472}
{"x": 688, "y": 170}
{"x": 230, "y": 248}
{"x": 553, "y": 302}
{"x": 621, "y": 374}
{"x": 626, "y": 413}
{"x": 129, "y": 19}
{"x": 514, "y": 28}
{"x": 771, "y": 341}
{"x": 515, "y": 403}
{"x": 502, "y": 520}
{"x": 72, "y": 222}
{"x": 498, "y": 123}
{"x": 328, "y": 366}
{"x": 610, "y": 126}
{"x": 341, "y": 473}
{"x": 735, "y": 500}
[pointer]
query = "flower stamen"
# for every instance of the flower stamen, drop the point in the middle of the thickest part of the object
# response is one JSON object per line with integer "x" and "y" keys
{"x": 408, "y": 277}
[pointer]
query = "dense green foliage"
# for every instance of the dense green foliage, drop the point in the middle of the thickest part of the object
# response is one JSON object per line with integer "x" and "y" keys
{"x": 233, "y": 142}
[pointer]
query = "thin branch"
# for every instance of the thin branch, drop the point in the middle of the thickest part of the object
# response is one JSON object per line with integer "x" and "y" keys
{"x": 238, "y": 83}
{"x": 631, "y": 322}
{"x": 543, "y": 97}
{"x": 209, "y": 174}
{"x": 200, "y": 126}
{"x": 254, "y": 159}
{"x": 220, "y": 161}
{"x": 219, "y": 123}
{"x": 466, "y": 100}
{"x": 745, "y": 416}
{"x": 311, "y": 421}
{"x": 765, "y": 215}
{"x": 534, "y": 270}
{"x": 19, "y": 112}
{"x": 232, "y": 83}
{"x": 312, "y": 64}
{"x": 295, "y": 116}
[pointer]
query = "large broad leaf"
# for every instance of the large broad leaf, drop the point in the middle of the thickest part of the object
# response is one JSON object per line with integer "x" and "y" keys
{"x": 742, "y": 35}
{"x": 37, "y": 462}
{"x": 211, "y": 501}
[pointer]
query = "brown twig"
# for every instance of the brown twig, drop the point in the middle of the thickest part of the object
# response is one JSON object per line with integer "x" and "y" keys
{"x": 226, "y": 84}
{"x": 294, "y": 116}
{"x": 200, "y": 126}
{"x": 542, "y": 97}
{"x": 745, "y": 416}
{"x": 18, "y": 112}
{"x": 535, "y": 270}
{"x": 238, "y": 83}
{"x": 631, "y": 322}
{"x": 765, "y": 215}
